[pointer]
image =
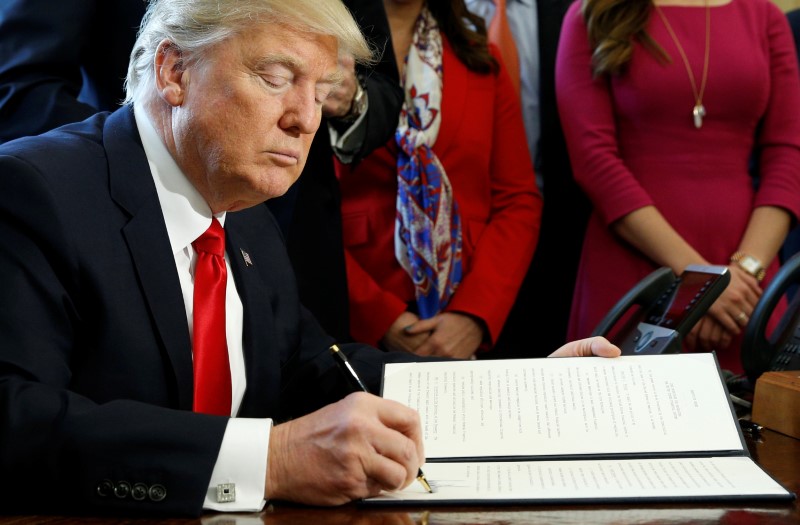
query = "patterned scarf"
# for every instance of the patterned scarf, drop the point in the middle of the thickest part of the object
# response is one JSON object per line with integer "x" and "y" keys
{"x": 428, "y": 226}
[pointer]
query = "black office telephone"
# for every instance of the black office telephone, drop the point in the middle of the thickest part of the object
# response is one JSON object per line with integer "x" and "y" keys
{"x": 782, "y": 350}
{"x": 662, "y": 308}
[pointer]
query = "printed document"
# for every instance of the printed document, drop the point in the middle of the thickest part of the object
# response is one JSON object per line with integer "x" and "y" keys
{"x": 657, "y": 427}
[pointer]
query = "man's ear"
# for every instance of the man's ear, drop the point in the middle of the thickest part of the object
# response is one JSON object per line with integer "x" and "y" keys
{"x": 170, "y": 73}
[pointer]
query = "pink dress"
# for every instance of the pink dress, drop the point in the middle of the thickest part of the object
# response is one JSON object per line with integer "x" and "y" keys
{"x": 632, "y": 141}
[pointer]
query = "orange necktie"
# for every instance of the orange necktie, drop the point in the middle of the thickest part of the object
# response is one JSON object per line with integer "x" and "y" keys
{"x": 212, "y": 374}
{"x": 501, "y": 36}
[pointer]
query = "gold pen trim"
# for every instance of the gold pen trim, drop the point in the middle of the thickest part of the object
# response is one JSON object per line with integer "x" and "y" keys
{"x": 424, "y": 482}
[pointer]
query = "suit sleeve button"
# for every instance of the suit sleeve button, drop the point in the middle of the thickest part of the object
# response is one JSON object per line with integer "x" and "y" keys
{"x": 105, "y": 488}
{"x": 157, "y": 493}
{"x": 139, "y": 491}
{"x": 122, "y": 489}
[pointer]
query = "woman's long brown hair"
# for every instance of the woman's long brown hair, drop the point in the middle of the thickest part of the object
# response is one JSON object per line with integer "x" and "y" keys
{"x": 470, "y": 44}
{"x": 613, "y": 27}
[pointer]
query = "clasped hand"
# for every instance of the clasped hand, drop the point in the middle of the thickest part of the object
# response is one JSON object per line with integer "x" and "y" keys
{"x": 448, "y": 334}
{"x": 728, "y": 315}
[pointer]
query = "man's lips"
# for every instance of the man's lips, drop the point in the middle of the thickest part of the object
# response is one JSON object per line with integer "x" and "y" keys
{"x": 285, "y": 157}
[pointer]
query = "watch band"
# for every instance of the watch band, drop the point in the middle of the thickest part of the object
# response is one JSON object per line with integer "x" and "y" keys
{"x": 359, "y": 104}
{"x": 749, "y": 264}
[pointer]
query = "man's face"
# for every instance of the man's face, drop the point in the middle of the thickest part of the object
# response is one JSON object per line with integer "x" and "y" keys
{"x": 249, "y": 111}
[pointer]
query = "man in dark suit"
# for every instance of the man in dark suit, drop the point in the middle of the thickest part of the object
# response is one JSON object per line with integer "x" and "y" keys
{"x": 97, "y": 223}
{"x": 310, "y": 214}
{"x": 104, "y": 392}
{"x": 53, "y": 73}
{"x": 545, "y": 296}
{"x": 791, "y": 245}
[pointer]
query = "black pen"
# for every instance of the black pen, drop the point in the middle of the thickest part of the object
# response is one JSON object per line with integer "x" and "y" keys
{"x": 357, "y": 384}
{"x": 750, "y": 427}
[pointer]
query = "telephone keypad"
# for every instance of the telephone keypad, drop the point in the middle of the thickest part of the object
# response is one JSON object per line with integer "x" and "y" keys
{"x": 787, "y": 356}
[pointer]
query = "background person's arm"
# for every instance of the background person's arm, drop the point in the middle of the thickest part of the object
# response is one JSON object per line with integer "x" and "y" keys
{"x": 62, "y": 61}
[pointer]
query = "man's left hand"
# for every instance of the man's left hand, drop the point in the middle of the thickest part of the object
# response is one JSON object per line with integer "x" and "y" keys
{"x": 593, "y": 346}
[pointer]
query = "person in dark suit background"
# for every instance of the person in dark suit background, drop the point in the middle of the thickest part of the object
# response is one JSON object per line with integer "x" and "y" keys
{"x": 53, "y": 73}
{"x": 794, "y": 23}
{"x": 791, "y": 245}
{"x": 314, "y": 222}
{"x": 543, "y": 303}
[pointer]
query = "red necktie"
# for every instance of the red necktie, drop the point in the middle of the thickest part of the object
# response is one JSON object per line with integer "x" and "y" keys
{"x": 212, "y": 375}
{"x": 501, "y": 36}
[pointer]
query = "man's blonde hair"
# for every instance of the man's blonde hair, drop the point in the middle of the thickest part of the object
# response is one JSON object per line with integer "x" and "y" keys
{"x": 195, "y": 25}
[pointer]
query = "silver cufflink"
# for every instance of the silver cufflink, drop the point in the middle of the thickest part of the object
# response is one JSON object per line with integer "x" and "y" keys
{"x": 226, "y": 492}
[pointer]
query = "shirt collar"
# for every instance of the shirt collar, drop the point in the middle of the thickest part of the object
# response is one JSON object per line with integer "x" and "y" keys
{"x": 186, "y": 213}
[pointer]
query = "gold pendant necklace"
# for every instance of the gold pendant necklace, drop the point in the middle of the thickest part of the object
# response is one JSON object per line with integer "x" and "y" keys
{"x": 699, "y": 110}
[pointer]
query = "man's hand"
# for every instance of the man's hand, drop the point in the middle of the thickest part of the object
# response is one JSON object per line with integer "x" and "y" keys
{"x": 398, "y": 339}
{"x": 599, "y": 346}
{"x": 348, "y": 450}
{"x": 452, "y": 335}
{"x": 340, "y": 99}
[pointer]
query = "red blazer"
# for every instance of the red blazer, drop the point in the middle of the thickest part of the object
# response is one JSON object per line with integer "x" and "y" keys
{"x": 482, "y": 147}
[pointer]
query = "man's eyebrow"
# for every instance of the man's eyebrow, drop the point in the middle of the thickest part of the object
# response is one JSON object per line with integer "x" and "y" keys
{"x": 294, "y": 64}
{"x": 278, "y": 58}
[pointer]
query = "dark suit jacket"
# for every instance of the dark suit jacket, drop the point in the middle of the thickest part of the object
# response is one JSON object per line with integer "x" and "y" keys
{"x": 791, "y": 245}
{"x": 53, "y": 73}
{"x": 543, "y": 303}
{"x": 314, "y": 223}
{"x": 95, "y": 355}
{"x": 62, "y": 61}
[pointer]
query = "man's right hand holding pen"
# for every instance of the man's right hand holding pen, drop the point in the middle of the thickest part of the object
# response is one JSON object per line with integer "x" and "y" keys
{"x": 361, "y": 445}
{"x": 348, "y": 450}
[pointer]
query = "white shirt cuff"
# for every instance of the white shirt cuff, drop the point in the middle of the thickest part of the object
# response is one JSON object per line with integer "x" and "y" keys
{"x": 346, "y": 144}
{"x": 242, "y": 462}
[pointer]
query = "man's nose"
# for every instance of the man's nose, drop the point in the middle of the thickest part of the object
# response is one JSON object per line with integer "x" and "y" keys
{"x": 301, "y": 111}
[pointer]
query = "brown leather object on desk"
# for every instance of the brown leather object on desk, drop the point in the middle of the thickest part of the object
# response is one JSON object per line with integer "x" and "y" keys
{"x": 776, "y": 403}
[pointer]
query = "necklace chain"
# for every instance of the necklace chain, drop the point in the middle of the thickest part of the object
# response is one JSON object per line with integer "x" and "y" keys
{"x": 699, "y": 111}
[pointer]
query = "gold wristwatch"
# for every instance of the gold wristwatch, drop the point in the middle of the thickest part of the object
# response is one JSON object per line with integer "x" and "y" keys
{"x": 749, "y": 264}
{"x": 359, "y": 104}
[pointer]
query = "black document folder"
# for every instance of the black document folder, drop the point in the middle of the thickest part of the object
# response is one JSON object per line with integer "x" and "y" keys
{"x": 573, "y": 430}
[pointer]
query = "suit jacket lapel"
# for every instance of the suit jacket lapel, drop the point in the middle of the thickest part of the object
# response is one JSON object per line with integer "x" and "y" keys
{"x": 146, "y": 234}
{"x": 262, "y": 367}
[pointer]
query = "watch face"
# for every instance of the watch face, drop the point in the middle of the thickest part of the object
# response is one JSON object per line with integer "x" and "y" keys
{"x": 360, "y": 99}
{"x": 750, "y": 264}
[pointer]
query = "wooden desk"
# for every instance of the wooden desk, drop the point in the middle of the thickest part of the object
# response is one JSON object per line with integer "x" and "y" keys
{"x": 778, "y": 454}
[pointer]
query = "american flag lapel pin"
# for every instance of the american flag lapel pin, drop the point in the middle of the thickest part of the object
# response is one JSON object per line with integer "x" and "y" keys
{"x": 246, "y": 256}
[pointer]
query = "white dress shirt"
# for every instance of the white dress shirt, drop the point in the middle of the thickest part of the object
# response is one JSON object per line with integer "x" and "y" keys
{"x": 524, "y": 24}
{"x": 242, "y": 459}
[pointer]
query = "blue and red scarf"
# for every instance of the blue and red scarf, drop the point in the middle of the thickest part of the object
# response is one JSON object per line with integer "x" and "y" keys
{"x": 428, "y": 240}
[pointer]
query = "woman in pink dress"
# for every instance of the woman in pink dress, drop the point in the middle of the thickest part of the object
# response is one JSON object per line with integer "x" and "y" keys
{"x": 666, "y": 106}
